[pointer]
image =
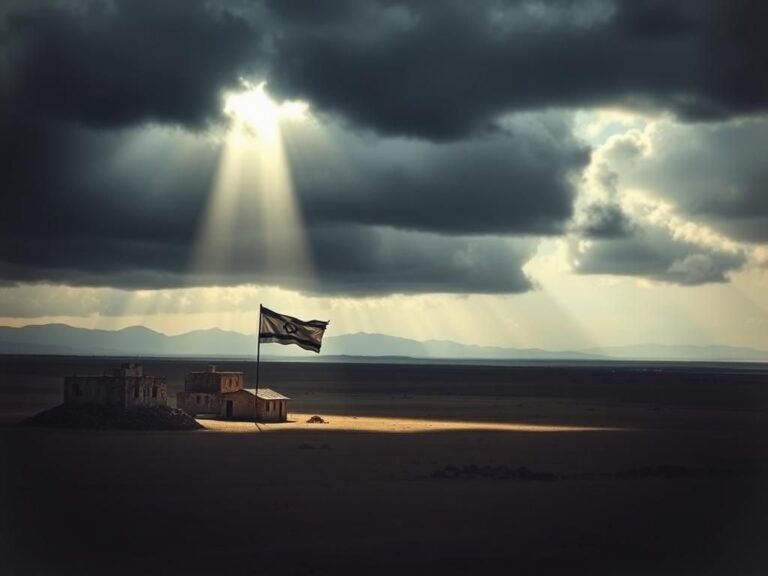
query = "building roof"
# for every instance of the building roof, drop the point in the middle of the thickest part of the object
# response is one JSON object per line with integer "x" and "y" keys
{"x": 212, "y": 370}
{"x": 267, "y": 394}
{"x": 264, "y": 393}
{"x": 216, "y": 372}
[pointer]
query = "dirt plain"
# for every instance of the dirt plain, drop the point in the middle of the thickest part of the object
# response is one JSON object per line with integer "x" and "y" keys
{"x": 631, "y": 469}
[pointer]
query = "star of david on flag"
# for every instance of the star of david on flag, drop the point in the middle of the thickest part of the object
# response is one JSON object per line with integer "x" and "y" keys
{"x": 283, "y": 329}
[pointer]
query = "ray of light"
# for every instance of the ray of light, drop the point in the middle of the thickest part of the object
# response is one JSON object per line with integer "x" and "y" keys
{"x": 252, "y": 222}
{"x": 398, "y": 425}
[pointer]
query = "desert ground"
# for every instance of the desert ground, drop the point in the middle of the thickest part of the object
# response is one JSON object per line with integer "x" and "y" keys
{"x": 420, "y": 469}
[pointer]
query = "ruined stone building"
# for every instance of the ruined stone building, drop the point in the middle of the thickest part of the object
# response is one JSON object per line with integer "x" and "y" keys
{"x": 126, "y": 387}
{"x": 224, "y": 395}
{"x": 203, "y": 390}
{"x": 266, "y": 404}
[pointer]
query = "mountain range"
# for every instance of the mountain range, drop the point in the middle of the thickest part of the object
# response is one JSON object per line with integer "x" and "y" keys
{"x": 60, "y": 339}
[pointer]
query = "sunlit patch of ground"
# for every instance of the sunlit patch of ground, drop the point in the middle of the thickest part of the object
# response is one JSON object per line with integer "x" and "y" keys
{"x": 298, "y": 421}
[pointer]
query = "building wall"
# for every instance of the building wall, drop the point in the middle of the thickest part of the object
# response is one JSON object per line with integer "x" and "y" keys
{"x": 146, "y": 391}
{"x": 243, "y": 405}
{"x": 116, "y": 390}
{"x": 104, "y": 390}
{"x": 214, "y": 382}
{"x": 232, "y": 381}
{"x": 202, "y": 382}
{"x": 194, "y": 403}
{"x": 272, "y": 410}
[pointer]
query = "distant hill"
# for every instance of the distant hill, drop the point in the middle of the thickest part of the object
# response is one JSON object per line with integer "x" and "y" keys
{"x": 141, "y": 341}
{"x": 132, "y": 341}
{"x": 365, "y": 344}
{"x": 60, "y": 339}
{"x": 682, "y": 352}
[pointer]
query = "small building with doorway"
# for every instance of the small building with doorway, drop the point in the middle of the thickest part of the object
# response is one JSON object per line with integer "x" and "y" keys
{"x": 271, "y": 406}
{"x": 224, "y": 395}
{"x": 126, "y": 386}
{"x": 239, "y": 405}
{"x": 264, "y": 405}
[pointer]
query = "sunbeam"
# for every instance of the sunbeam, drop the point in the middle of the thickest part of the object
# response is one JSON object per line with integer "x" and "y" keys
{"x": 252, "y": 222}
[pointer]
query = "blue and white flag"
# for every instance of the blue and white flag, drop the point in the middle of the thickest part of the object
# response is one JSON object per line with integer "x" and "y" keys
{"x": 282, "y": 329}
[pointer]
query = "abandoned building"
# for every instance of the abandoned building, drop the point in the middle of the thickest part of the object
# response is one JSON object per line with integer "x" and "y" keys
{"x": 268, "y": 405}
{"x": 127, "y": 387}
{"x": 203, "y": 390}
{"x": 224, "y": 395}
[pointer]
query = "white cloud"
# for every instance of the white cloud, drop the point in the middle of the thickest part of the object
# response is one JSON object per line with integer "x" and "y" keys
{"x": 637, "y": 197}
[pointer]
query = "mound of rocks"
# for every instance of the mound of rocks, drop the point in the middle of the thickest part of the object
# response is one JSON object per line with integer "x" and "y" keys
{"x": 94, "y": 416}
{"x": 316, "y": 420}
{"x": 498, "y": 472}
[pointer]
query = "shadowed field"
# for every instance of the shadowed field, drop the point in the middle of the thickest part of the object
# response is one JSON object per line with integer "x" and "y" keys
{"x": 517, "y": 470}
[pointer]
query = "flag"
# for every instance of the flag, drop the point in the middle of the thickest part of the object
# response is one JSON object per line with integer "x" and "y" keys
{"x": 282, "y": 329}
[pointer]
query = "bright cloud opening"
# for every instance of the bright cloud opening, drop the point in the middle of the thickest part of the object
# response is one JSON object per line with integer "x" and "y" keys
{"x": 252, "y": 208}
{"x": 254, "y": 110}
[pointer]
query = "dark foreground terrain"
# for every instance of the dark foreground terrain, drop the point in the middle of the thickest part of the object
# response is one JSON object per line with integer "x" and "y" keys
{"x": 673, "y": 481}
{"x": 98, "y": 417}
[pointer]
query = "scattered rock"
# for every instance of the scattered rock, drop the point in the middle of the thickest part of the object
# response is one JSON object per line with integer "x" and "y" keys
{"x": 95, "y": 416}
{"x": 316, "y": 420}
{"x": 500, "y": 472}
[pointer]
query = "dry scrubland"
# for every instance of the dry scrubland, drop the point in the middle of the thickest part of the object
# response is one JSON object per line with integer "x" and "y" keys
{"x": 419, "y": 470}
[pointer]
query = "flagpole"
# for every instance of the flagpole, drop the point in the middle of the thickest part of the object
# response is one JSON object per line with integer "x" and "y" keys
{"x": 258, "y": 358}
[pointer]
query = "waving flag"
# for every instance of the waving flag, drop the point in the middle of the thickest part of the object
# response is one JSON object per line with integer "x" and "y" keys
{"x": 282, "y": 329}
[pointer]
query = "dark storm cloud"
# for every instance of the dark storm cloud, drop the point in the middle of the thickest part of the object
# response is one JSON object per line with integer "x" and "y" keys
{"x": 435, "y": 69}
{"x": 118, "y": 210}
{"x": 128, "y": 61}
{"x": 355, "y": 261}
{"x": 67, "y": 184}
{"x": 653, "y": 253}
{"x": 69, "y": 181}
{"x": 442, "y": 69}
{"x": 363, "y": 260}
{"x": 604, "y": 217}
{"x": 95, "y": 196}
{"x": 604, "y": 220}
{"x": 96, "y": 200}
{"x": 518, "y": 181}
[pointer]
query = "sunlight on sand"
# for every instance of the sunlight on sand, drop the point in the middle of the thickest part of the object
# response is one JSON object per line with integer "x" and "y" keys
{"x": 397, "y": 425}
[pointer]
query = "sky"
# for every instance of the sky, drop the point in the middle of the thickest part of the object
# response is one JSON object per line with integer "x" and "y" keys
{"x": 551, "y": 174}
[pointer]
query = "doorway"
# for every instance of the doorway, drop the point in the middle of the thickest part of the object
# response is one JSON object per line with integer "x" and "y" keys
{"x": 228, "y": 407}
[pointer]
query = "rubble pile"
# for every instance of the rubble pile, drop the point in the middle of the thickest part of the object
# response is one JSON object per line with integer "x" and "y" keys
{"x": 93, "y": 416}
{"x": 500, "y": 472}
